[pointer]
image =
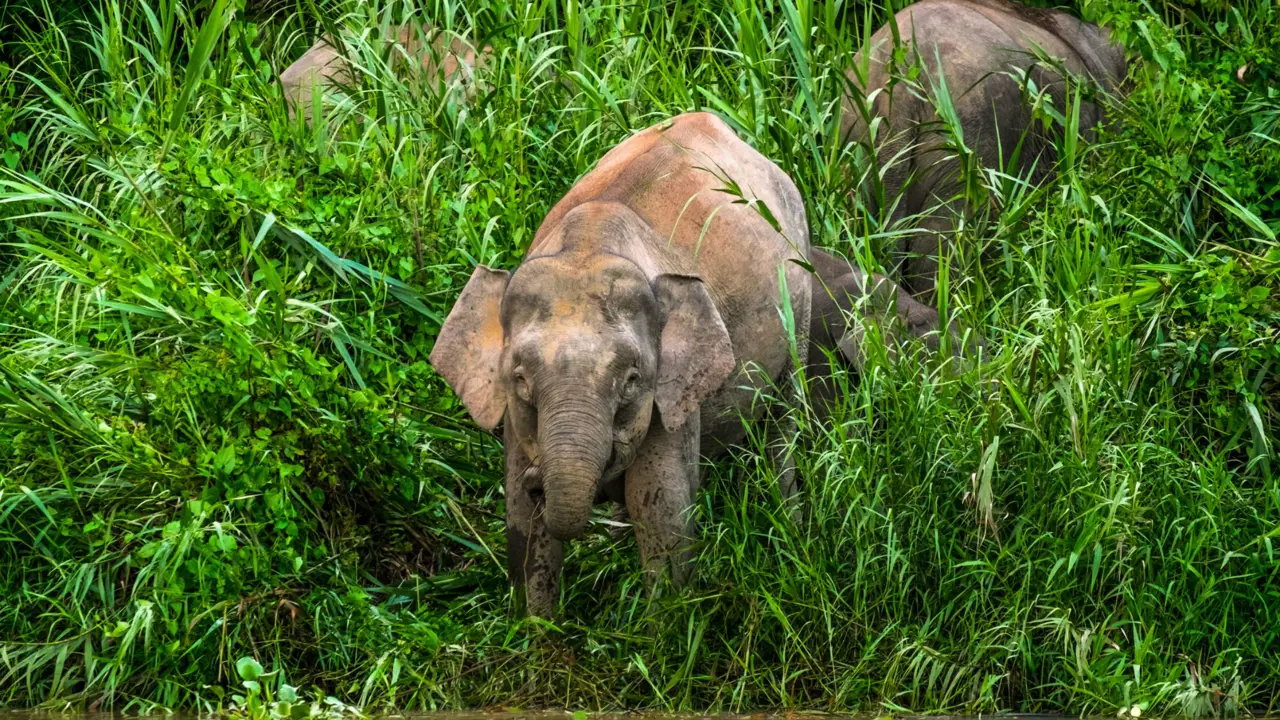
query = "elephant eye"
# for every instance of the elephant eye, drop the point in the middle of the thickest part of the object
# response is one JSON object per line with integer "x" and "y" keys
{"x": 630, "y": 383}
{"x": 522, "y": 384}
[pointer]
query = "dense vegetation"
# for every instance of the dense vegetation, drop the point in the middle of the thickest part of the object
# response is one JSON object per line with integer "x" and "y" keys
{"x": 219, "y": 436}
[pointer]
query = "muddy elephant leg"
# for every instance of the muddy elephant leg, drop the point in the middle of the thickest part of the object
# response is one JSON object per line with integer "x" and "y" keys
{"x": 661, "y": 483}
{"x": 924, "y": 251}
{"x": 781, "y": 453}
{"x": 784, "y": 426}
{"x": 533, "y": 556}
{"x": 783, "y": 429}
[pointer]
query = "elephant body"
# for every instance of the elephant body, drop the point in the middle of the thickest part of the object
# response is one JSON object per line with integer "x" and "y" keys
{"x": 632, "y": 340}
{"x": 976, "y": 45}
{"x": 444, "y": 58}
{"x": 665, "y": 178}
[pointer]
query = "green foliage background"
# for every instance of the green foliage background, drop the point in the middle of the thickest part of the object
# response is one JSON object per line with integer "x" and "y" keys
{"x": 219, "y": 435}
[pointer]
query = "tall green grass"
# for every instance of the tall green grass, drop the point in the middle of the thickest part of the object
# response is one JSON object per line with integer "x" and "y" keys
{"x": 219, "y": 435}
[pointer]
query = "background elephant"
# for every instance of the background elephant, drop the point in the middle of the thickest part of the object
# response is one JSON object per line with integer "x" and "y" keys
{"x": 978, "y": 47}
{"x": 444, "y": 58}
{"x": 648, "y": 286}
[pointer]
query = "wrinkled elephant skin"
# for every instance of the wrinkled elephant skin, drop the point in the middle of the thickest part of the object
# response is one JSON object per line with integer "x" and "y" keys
{"x": 631, "y": 341}
{"x": 446, "y": 60}
{"x": 978, "y": 44}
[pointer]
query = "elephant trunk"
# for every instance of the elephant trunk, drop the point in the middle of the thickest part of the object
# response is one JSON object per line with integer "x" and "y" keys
{"x": 575, "y": 438}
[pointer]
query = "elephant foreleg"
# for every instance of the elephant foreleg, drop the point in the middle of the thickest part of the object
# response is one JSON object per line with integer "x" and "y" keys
{"x": 783, "y": 428}
{"x": 660, "y": 487}
{"x": 533, "y": 556}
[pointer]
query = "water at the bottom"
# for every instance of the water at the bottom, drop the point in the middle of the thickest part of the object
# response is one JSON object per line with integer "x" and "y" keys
{"x": 547, "y": 715}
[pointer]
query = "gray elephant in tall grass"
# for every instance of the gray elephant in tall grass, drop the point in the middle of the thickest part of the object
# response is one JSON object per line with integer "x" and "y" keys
{"x": 632, "y": 340}
{"x": 446, "y": 61}
{"x": 994, "y": 59}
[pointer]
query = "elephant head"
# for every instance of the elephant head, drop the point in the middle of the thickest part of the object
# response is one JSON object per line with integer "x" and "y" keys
{"x": 575, "y": 352}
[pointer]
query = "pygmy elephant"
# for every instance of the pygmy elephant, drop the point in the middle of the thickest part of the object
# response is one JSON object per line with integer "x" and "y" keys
{"x": 631, "y": 341}
{"x": 982, "y": 51}
{"x": 445, "y": 59}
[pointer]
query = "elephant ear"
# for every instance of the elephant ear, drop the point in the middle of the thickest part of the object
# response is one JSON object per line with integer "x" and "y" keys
{"x": 696, "y": 356}
{"x": 468, "y": 351}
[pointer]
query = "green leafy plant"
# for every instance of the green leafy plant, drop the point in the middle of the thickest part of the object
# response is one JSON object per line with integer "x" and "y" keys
{"x": 259, "y": 703}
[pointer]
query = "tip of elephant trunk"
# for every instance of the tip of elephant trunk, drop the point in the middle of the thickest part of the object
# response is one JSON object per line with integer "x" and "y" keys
{"x": 567, "y": 528}
{"x": 569, "y": 490}
{"x": 575, "y": 443}
{"x": 565, "y": 520}
{"x": 564, "y": 534}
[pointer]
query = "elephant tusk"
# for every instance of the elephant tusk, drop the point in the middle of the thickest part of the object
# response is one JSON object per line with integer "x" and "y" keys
{"x": 531, "y": 478}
